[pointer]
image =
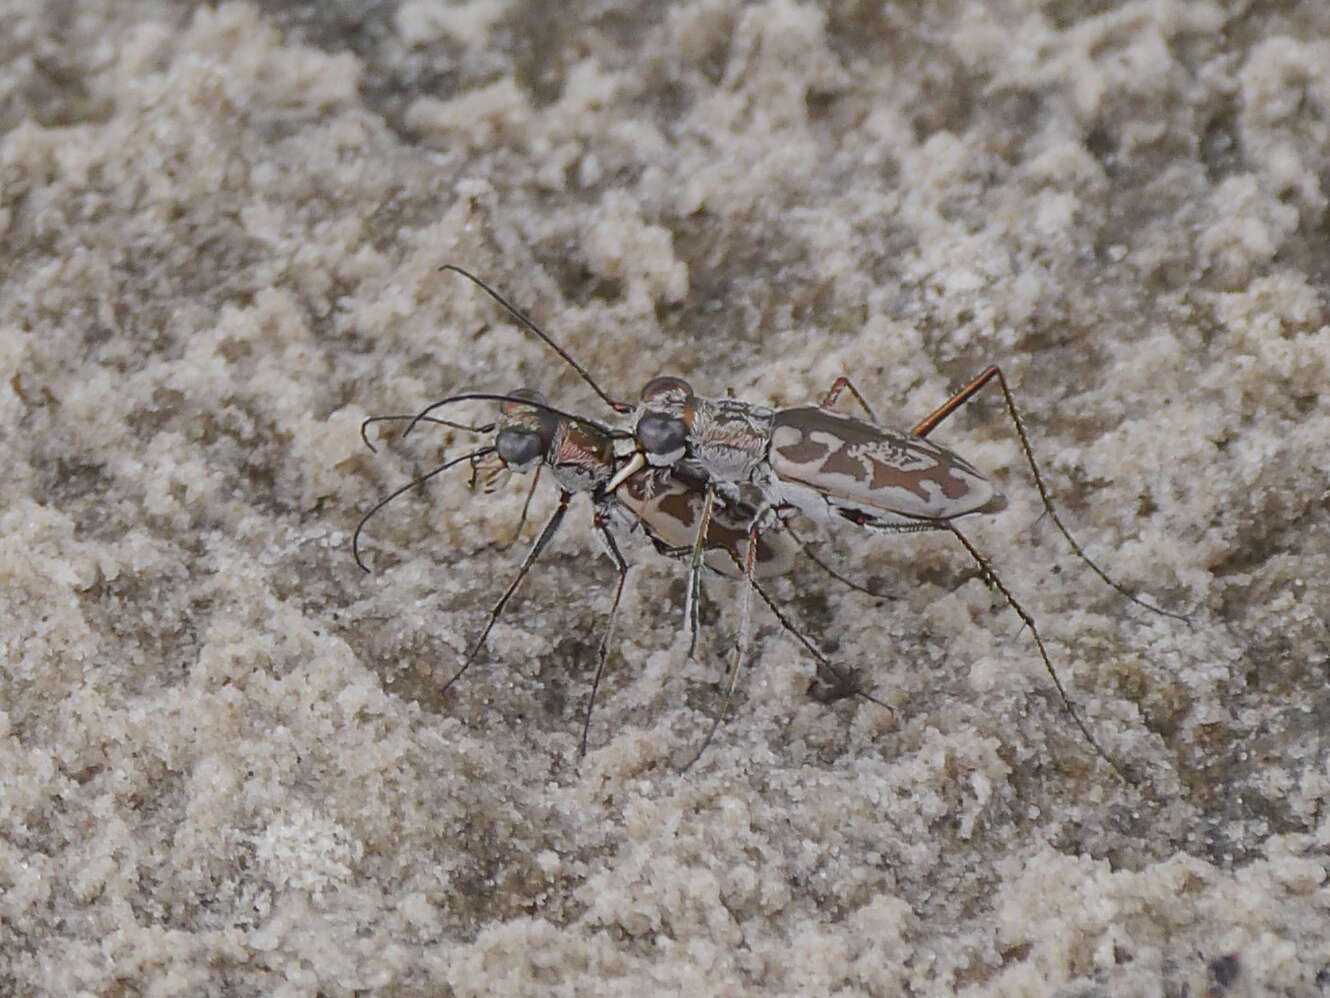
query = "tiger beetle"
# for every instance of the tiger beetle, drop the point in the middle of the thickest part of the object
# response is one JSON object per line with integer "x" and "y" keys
{"x": 665, "y": 505}
{"x": 825, "y": 464}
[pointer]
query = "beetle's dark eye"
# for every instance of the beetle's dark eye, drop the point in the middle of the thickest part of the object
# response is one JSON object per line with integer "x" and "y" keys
{"x": 519, "y": 449}
{"x": 513, "y": 406}
{"x": 662, "y": 437}
{"x": 666, "y": 389}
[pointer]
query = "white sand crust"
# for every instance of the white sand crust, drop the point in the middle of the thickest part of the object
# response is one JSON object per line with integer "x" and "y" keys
{"x": 227, "y": 764}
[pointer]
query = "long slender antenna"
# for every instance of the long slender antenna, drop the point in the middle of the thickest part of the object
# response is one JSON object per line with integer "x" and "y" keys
{"x": 365, "y": 425}
{"x": 424, "y": 414}
{"x": 1028, "y": 620}
{"x": 355, "y": 537}
{"x": 620, "y": 407}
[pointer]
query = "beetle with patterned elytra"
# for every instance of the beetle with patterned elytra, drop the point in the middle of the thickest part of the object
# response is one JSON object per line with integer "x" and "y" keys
{"x": 662, "y": 503}
{"x": 826, "y": 465}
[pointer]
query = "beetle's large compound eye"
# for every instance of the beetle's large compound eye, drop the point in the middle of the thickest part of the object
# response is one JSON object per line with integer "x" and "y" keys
{"x": 519, "y": 449}
{"x": 662, "y": 437}
{"x": 662, "y": 428}
{"x": 513, "y": 405}
{"x": 666, "y": 389}
{"x": 525, "y": 431}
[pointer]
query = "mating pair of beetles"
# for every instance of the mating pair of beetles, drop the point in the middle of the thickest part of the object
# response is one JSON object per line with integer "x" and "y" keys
{"x": 717, "y": 482}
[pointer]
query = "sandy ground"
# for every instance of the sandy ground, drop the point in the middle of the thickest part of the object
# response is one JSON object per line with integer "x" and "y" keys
{"x": 226, "y": 762}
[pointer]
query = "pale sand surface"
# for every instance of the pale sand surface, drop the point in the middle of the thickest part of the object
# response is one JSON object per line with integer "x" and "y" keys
{"x": 226, "y": 767}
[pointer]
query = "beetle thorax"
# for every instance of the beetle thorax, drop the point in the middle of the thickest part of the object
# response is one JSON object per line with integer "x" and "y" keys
{"x": 729, "y": 438}
{"x": 581, "y": 456}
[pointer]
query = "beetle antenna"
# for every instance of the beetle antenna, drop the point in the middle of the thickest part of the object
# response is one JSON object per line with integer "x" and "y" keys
{"x": 622, "y": 408}
{"x": 355, "y": 537}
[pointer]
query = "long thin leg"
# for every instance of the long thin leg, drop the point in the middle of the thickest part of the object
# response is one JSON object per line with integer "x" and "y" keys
{"x": 745, "y": 626}
{"x": 930, "y": 424}
{"x": 841, "y": 383}
{"x": 551, "y": 527}
{"x": 964, "y": 395}
{"x": 622, "y": 567}
{"x": 692, "y": 598}
{"x": 816, "y": 560}
{"x": 741, "y": 650}
{"x": 526, "y": 507}
{"x": 824, "y": 664}
{"x": 1028, "y": 620}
